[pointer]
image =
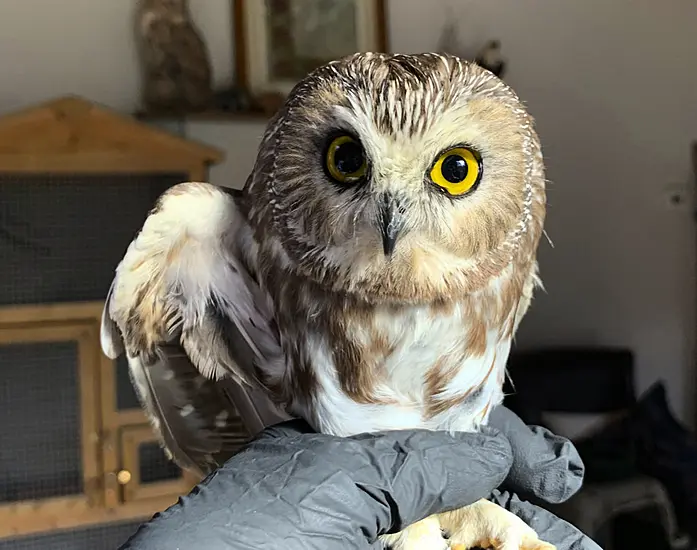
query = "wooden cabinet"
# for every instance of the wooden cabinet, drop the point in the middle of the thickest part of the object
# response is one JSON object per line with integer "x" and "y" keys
{"x": 70, "y": 456}
{"x": 77, "y": 181}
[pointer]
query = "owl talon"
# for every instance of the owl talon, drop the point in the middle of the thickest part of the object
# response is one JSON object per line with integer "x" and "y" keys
{"x": 507, "y": 543}
{"x": 423, "y": 535}
{"x": 497, "y": 545}
{"x": 486, "y": 525}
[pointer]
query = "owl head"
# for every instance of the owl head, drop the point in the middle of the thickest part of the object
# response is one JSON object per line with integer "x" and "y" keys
{"x": 401, "y": 177}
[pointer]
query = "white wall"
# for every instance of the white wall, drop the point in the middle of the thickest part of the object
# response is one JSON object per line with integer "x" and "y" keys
{"x": 613, "y": 87}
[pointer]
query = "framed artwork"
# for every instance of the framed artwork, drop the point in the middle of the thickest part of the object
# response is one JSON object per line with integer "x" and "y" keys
{"x": 278, "y": 42}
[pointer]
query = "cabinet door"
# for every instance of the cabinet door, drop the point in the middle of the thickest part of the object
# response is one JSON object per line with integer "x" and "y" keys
{"x": 136, "y": 468}
{"x": 146, "y": 472}
{"x": 49, "y": 433}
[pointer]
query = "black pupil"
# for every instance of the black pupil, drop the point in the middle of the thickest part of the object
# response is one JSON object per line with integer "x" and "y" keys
{"x": 454, "y": 169}
{"x": 348, "y": 157}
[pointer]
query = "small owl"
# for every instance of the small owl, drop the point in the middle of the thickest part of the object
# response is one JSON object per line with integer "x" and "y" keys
{"x": 370, "y": 276}
{"x": 176, "y": 65}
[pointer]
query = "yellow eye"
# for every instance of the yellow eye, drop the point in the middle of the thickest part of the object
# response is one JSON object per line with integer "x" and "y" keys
{"x": 345, "y": 161}
{"x": 457, "y": 171}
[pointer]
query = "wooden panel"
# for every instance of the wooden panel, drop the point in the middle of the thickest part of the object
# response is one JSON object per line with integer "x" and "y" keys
{"x": 51, "y": 313}
{"x": 48, "y": 321}
{"x": 109, "y": 432}
{"x": 88, "y": 364}
{"x": 107, "y": 536}
{"x": 76, "y": 129}
{"x": 100, "y": 443}
{"x": 68, "y": 513}
{"x": 87, "y": 337}
{"x": 112, "y": 422}
{"x": 40, "y": 332}
{"x": 131, "y": 417}
{"x": 86, "y": 334}
{"x": 134, "y": 489}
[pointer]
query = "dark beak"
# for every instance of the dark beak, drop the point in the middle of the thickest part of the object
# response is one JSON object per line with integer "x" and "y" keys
{"x": 390, "y": 222}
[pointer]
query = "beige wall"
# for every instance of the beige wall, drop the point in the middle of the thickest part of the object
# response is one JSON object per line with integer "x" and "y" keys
{"x": 612, "y": 84}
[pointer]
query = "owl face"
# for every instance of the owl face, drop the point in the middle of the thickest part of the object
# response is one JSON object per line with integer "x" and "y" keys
{"x": 405, "y": 177}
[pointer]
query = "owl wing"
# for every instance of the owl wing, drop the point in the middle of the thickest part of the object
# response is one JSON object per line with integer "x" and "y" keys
{"x": 189, "y": 315}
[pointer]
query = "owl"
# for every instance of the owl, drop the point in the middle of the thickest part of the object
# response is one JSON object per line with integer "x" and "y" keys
{"x": 370, "y": 276}
{"x": 176, "y": 65}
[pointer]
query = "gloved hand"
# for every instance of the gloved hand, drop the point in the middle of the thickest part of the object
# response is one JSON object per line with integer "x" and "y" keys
{"x": 294, "y": 489}
{"x": 544, "y": 466}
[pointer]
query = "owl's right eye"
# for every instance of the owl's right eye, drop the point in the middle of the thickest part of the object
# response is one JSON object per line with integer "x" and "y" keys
{"x": 345, "y": 160}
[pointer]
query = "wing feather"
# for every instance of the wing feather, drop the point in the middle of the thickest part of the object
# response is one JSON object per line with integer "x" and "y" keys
{"x": 189, "y": 314}
{"x": 198, "y": 425}
{"x": 109, "y": 334}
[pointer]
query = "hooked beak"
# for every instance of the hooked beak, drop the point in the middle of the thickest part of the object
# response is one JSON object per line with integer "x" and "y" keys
{"x": 390, "y": 222}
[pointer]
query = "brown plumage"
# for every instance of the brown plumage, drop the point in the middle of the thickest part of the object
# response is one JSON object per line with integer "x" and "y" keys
{"x": 369, "y": 286}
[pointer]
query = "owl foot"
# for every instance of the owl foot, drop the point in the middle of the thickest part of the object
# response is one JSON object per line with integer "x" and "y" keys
{"x": 487, "y": 525}
{"x": 481, "y": 525}
{"x": 423, "y": 535}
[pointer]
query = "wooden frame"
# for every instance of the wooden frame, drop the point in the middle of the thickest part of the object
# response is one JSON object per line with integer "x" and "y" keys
{"x": 78, "y": 312}
{"x": 86, "y": 335}
{"x": 62, "y": 513}
{"x": 133, "y": 489}
{"x": 251, "y": 71}
{"x": 102, "y": 453}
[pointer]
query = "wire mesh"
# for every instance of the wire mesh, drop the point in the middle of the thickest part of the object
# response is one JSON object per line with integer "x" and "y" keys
{"x": 126, "y": 397}
{"x": 103, "y": 537}
{"x": 154, "y": 464}
{"x": 39, "y": 421}
{"x": 62, "y": 235}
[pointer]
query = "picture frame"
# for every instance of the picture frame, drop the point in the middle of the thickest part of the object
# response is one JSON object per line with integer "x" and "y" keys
{"x": 271, "y": 36}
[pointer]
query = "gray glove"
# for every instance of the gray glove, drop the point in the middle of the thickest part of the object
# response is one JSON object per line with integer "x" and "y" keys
{"x": 296, "y": 489}
{"x": 545, "y": 467}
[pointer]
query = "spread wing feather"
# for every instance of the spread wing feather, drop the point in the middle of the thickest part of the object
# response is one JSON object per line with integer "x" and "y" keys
{"x": 188, "y": 314}
{"x": 198, "y": 425}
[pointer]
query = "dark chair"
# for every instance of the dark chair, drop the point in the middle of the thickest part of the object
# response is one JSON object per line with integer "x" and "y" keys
{"x": 585, "y": 394}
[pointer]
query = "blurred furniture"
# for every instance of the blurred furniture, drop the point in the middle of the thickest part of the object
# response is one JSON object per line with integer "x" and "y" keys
{"x": 278, "y": 43}
{"x": 584, "y": 394}
{"x": 76, "y": 452}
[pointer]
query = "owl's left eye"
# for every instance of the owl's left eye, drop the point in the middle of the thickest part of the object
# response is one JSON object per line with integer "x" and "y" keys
{"x": 345, "y": 160}
{"x": 457, "y": 171}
